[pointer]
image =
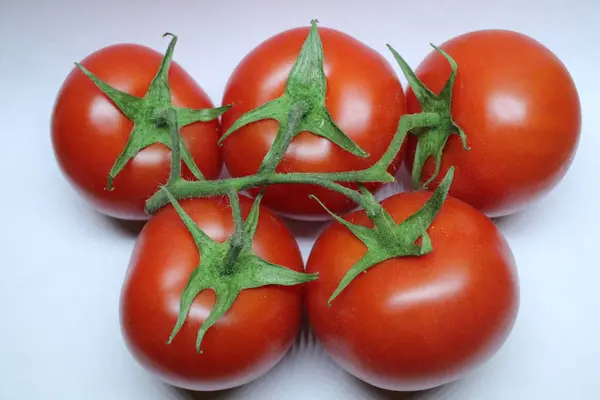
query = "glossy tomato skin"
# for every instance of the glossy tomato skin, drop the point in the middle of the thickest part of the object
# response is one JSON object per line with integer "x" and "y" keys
{"x": 364, "y": 98}
{"x": 520, "y": 109}
{"x": 247, "y": 341}
{"x": 414, "y": 323}
{"x": 89, "y": 131}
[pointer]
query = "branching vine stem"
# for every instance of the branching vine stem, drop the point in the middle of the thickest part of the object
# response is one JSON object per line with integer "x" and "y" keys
{"x": 182, "y": 189}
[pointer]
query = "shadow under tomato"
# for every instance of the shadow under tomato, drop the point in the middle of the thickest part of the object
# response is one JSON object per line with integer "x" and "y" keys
{"x": 191, "y": 395}
{"x": 305, "y": 229}
{"x": 403, "y": 180}
{"x": 441, "y": 392}
{"x": 125, "y": 227}
{"x": 84, "y": 216}
{"x": 520, "y": 223}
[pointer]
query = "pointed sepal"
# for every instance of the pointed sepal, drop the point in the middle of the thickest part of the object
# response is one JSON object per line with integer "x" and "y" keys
{"x": 374, "y": 210}
{"x": 275, "y": 109}
{"x": 259, "y": 273}
{"x": 135, "y": 143}
{"x": 363, "y": 233}
{"x": 187, "y": 116}
{"x": 307, "y": 74}
{"x": 416, "y": 225}
{"x": 251, "y": 222}
{"x": 129, "y": 105}
{"x": 201, "y": 239}
{"x": 422, "y": 92}
{"x": 194, "y": 286}
{"x": 224, "y": 300}
{"x": 159, "y": 91}
{"x": 463, "y": 136}
{"x": 370, "y": 259}
{"x": 319, "y": 122}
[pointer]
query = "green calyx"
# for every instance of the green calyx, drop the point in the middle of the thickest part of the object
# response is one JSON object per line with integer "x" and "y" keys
{"x": 228, "y": 268}
{"x": 432, "y": 138}
{"x": 301, "y": 108}
{"x": 147, "y": 114}
{"x": 387, "y": 239}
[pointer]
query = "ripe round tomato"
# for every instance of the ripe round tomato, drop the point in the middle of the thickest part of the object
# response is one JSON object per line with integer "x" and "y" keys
{"x": 89, "y": 131}
{"x": 364, "y": 98}
{"x": 520, "y": 110}
{"x": 252, "y": 336}
{"x": 413, "y": 323}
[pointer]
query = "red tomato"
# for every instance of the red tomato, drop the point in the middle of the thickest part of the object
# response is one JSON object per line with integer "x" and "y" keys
{"x": 520, "y": 110}
{"x": 364, "y": 97}
{"x": 247, "y": 341}
{"x": 414, "y": 323}
{"x": 89, "y": 131}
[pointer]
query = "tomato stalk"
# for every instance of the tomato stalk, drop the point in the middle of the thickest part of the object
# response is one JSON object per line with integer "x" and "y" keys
{"x": 230, "y": 267}
{"x": 180, "y": 188}
{"x": 378, "y": 172}
{"x": 432, "y": 137}
{"x": 148, "y": 115}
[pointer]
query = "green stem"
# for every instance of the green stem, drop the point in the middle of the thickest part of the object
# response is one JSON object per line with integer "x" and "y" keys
{"x": 294, "y": 118}
{"x": 183, "y": 189}
{"x": 171, "y": 116}
{"x": 236, "y": 241}
{"x": 407, "y": 123}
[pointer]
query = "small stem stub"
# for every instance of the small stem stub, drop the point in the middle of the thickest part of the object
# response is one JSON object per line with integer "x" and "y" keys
{"x": 149, "y": 118}
{"x": 228, "y": 268}
{"x": 431, "y": 138}
{"x": 387, "y": 239}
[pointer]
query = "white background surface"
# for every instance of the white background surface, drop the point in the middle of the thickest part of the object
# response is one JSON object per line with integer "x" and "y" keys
{"x": 62, "y": 264}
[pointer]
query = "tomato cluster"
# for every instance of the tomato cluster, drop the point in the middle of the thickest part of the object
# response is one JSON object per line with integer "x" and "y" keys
{"x": 407, "y": 293}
